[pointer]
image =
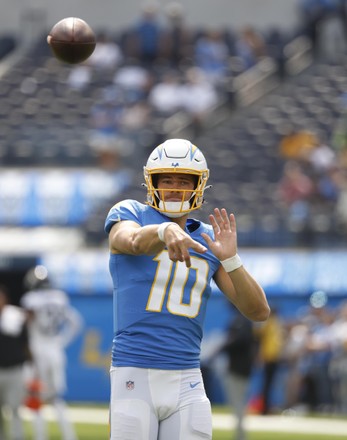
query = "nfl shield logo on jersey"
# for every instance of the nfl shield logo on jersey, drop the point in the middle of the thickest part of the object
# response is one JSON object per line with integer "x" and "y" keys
{"x": 129, "y": 385}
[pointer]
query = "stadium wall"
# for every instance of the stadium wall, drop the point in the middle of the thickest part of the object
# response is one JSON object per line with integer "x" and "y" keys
{"x": 290, "y": 279}
{"x": 89, "y": 356}
{"x": 28, "y": 17}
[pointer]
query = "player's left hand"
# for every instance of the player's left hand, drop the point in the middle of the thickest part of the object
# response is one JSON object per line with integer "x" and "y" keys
{"x": 225, "y": 236}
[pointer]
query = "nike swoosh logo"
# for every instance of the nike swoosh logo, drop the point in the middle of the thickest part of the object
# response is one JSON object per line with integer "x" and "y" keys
{"x": 193, "y": 385}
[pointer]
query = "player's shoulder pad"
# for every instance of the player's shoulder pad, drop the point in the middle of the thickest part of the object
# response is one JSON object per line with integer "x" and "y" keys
{"x": 125, "y": 210}
{"x": 207, "y": 228}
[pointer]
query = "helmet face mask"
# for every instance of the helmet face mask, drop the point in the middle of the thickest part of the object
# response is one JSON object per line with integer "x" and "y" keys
{"x": 182, "y": 157}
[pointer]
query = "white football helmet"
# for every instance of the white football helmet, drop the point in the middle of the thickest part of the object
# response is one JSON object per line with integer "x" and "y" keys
{"x": 176, "y": 156}
{"x": 37, "y": 278}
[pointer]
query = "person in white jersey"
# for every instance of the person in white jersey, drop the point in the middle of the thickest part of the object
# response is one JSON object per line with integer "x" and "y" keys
{"x": 162, "y": 264}
{"x": 53, "y": 325}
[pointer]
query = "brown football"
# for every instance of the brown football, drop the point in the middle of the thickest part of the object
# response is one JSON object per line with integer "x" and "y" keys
{"x": 72, "y": 40}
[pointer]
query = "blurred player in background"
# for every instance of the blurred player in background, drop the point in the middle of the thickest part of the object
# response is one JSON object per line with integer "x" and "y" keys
{"x": 53, "y": 325}
{"x": 14, "y": 352}
{"x": 241, "y": 351}
{"x": 162, "y": 264}
{"x": 271, "y": 336}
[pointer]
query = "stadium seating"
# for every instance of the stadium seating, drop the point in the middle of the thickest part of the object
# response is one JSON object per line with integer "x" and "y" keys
{"x": 7, "y": 45}
{"x": 45, "y": 124}
{"x": 245, "y": 152}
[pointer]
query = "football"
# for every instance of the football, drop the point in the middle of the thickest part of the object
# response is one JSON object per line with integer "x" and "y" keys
{"x": 72, "y": 40}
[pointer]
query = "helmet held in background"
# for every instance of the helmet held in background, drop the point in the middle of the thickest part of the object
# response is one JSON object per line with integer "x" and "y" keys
{"x": 37, "y": 278}
{"x": 182, "y": 157}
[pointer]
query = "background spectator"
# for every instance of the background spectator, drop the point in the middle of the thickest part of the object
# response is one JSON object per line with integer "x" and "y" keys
{"x": 295, "y": 191}
{"x": 178, "y": 37}
{"x": 107, "y": 54}
{"x": 212, "y": 56}
{"x": 250, "y": 46}
{"x": 144, "y": 39}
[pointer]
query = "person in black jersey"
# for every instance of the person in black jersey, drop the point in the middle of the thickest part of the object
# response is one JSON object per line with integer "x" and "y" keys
{"x": 14, "y": 352}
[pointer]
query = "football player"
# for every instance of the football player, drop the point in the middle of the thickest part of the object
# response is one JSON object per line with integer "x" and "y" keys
{"x": 162, "y": 263}
{"x": 53, "y": 325}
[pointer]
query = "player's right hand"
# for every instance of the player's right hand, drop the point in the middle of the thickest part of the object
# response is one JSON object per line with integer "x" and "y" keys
{"x": 178, "y": 243}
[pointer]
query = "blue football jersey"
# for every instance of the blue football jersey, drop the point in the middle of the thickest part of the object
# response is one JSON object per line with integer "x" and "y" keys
{"x": 159, "y": 305}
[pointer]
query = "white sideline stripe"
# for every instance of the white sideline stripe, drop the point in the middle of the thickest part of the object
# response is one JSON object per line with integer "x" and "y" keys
{"x": 290, "y": 424}
{"x": 224, "y": 422}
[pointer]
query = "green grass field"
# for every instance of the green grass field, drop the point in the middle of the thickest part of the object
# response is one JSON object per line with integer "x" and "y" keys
{"x": 89, "y": 431}
{"x": 224, "y": 435}
{"x": 100, "y": 432}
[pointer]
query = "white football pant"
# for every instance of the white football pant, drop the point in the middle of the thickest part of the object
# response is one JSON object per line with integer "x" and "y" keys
{"x": 150, "y": 404}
